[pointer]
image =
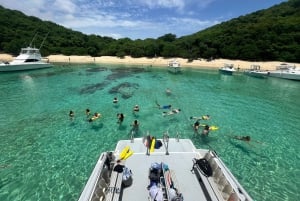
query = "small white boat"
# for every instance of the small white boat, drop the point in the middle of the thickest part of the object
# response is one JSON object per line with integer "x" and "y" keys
{"x": 227, "y": 69}
{"x": 255, "y": 71}
{"x": 174, "y": 66}
{"x": 28, "y": 59}
{"x": 164, "y": 169}
{"x": 286, "y": 71}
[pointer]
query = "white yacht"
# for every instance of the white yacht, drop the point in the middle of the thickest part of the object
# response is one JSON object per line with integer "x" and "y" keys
{"x": 28, "y": 59}
{"x": 286, "y": 71}
{"x": 227, "y": 69}
{"x": 255, "y": 71}
{"x": 174, "y": 66}
{"x": 167, "y": 169}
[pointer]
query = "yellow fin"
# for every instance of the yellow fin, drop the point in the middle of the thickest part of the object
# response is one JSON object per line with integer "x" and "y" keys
{"x": 128, "y": 154}
{"x": 152, "y": 145}
{"x": 124, "y": 152}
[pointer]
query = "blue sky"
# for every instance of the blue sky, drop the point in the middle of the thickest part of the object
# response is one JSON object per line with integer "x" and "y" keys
{"x": 137, "y": 19}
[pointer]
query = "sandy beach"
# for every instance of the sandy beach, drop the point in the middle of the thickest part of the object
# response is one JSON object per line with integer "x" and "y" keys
{"x": 159, "y": 61}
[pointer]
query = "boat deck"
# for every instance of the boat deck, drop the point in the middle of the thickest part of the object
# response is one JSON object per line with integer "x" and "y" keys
{"x": 206, "y": 179}
{"x": 140, "y": 162}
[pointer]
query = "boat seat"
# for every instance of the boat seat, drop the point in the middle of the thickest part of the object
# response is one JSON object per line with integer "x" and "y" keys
{"x": 213, "y": 164}
{"x": 98, "y": 194}
{"x": 208, "y": 156}
{"x": 217, "y": 174}
{"x": 233, "y": 197}
{"x": 208, "y": 184}
{"x": 102, "y": 184}
{"x": 222, "y": 183}
{"x": 227, "y": 191}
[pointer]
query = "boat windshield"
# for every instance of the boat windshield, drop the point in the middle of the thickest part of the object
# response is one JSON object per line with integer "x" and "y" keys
{"x": 29, "y": 51}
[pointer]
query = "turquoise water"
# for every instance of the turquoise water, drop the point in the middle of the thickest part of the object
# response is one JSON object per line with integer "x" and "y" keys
{"x": 46, "y": 156}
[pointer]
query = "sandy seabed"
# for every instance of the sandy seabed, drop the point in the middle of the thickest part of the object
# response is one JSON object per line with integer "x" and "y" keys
{"x": 159, "y": 61}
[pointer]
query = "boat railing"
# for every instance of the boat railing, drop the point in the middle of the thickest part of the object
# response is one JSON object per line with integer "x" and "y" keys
{"x": 228, "y": 65}
{"x": 285, "y": 66}
{"x": 166, "y": 142}
{"x": 255, "y": 67}
{"x": 229, "y": 187}
{"x": 92, "y": 190}
{"x": 132, "y": 136}
{"x": 237, "y": 190}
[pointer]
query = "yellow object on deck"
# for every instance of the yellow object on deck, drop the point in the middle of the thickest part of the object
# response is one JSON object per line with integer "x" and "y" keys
{"x": 152, "y": 145}
{"x": 124, "y": 152}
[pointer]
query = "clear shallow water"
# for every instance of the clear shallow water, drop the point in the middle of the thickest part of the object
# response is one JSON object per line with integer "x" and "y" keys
{"x": 45, "y": 156}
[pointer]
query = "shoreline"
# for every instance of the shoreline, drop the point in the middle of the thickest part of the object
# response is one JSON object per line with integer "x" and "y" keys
{"x": 157, "y": 62}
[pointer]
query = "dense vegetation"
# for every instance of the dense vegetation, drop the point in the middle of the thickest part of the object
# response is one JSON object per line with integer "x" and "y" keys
{"x": 271, "y": 34}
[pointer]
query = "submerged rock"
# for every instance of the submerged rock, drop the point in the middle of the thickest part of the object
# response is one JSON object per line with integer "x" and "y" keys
{"x": 126, "y": 89}
{"x": 98, "y": 69}
{"x": 118, "y": 73}
{"x": 93, "y": 88}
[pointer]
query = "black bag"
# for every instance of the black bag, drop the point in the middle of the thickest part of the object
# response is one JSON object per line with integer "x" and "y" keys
{"x": 204, "y": 167}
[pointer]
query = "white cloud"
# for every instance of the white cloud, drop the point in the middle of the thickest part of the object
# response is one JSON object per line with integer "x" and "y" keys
{"x": 126, "y": 18}
{"x": 164, "y": 3}
{"x": 65, "y": 6}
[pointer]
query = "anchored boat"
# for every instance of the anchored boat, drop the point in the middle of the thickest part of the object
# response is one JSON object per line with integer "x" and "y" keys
{"x": 174, "y": 66}
{"x": 167, "y": 169}
{"x": 227, "y": 69}
{"x": 255, "y": 71}
{"x": 29, "y": 58}
{"x": 286, "y": 71}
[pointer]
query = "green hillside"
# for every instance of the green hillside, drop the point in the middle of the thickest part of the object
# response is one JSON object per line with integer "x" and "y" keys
{"x": 270, "y": 34}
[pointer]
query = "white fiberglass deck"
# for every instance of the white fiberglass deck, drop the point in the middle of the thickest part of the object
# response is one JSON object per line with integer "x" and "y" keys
{"x": 139, "y": 163}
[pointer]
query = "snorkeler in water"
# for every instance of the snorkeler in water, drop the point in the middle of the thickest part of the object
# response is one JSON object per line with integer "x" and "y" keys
{"x": 87, "y": 112}
{"x": 96, "y": 116}
{"x": 164, "y": 106}
{"x": 196, "y": 126}
{"x": 120, "y": 117}
{"x": 115, "y": 100}
{"x": 71, "y": 115}
{"x": 243, "y": 138}
{"x": 174, "y": 111}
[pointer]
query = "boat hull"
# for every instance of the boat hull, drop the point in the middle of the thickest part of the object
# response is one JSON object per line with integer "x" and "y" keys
{"x": 174, "y": 69}
{"x": 257, "y": 74}
{"x": 212, "y": 181}
{"x": 226, "y": 72}
{"x": 284, "y": 75}
{"x": 24, "y": 67}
